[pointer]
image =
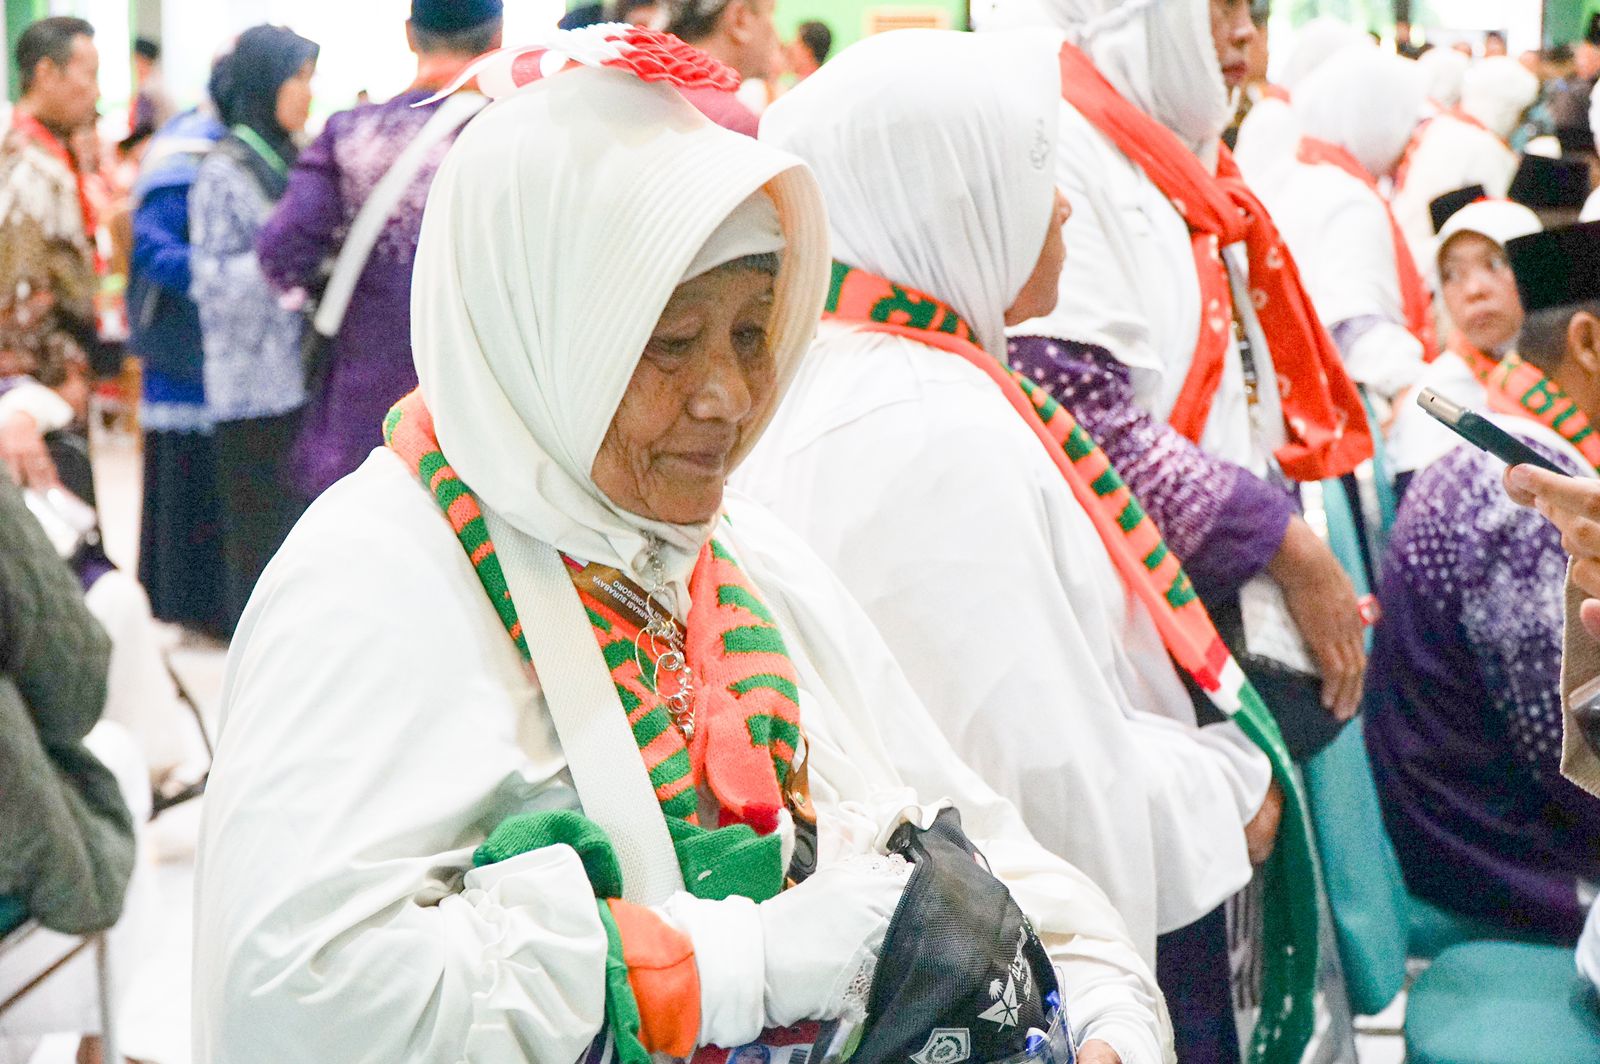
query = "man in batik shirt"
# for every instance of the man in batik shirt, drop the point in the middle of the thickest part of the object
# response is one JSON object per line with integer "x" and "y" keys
{"x": 47, "y": 264}
{"x": 1464, "y": 720}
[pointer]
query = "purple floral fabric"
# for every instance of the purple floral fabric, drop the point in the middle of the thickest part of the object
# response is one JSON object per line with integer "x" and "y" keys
{"x": 1463, "y": 716}
{"x": 371, "y": 366}
{"x": 1225, "y": 523}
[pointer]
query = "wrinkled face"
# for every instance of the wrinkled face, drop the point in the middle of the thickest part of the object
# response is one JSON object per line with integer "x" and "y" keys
{"x": 1042, "y": 288}
{"x": 1480, "y": 291}
{"x": 705, "y": 377}
{"x": 66, "y": 95}
{"x": 294, "y": 99}
{"x": 1232, "y": 33}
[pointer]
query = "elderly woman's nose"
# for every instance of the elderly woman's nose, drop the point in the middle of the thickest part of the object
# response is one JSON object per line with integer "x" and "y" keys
{"x": 725, "y": 392}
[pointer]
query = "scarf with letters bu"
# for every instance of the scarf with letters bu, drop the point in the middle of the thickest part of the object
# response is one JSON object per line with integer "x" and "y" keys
{"x": 1156, "y": 577}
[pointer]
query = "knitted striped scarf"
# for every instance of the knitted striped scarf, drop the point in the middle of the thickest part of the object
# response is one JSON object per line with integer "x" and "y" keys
{"x": 1154, "y": 574}
{"x": 746, "y": 696}
{"x": 1520, "y": 389}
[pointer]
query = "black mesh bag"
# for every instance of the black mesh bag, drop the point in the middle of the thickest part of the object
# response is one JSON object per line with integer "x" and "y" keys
{"x": 961, "y": 976}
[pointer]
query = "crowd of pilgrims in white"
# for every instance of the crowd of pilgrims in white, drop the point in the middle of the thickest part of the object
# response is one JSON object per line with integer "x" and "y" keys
{"x": 942, "y": 562}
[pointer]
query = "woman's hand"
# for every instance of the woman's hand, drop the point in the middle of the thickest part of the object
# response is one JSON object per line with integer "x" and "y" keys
{"x": 1261, "y": 834}
{"x": 1322, "y": 601}
{"x": 23, "y": 453}
{"x": 1097, "y": 1052}
{"x": 1573, "y": 506}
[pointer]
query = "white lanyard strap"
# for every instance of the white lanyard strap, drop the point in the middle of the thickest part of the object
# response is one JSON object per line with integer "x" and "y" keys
{"x": 607, "y": 769}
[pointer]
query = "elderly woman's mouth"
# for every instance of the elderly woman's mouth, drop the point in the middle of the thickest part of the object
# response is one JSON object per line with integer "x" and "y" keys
{"x": 697, "y": 463}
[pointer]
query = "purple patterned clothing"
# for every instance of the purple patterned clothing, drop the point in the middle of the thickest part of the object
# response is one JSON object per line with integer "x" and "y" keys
{"x": 1224, "y": 522}
{"x": 371, "y": 365}
{"x": 1463, "y": 718}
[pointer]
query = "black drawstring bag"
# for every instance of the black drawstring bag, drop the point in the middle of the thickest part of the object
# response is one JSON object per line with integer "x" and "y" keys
{"x": 961, "y": 975}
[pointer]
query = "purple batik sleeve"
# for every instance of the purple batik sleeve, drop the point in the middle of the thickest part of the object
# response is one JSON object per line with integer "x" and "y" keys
{"x": 303, "y": 229}
{"x": 1512, "y": 575}
{"x": 1225, "y": 523}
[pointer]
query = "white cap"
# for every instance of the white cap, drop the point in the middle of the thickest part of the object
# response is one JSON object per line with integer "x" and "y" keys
{"x": 1498, "y": 220}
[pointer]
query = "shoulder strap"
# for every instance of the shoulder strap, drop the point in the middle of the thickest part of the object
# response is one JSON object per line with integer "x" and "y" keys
{"x": 601, "y": 754}
{"x": 380, "y": 207}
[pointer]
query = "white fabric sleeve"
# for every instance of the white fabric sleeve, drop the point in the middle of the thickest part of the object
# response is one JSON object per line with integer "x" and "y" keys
{"x": 869, "y": 736}
{"x": 1384, "y": 356}
{"x": 1589, "y": 947}
{"x": 729, "y": 951}
{"x": 376, "y": 723}
{"x": 48, "y": 410}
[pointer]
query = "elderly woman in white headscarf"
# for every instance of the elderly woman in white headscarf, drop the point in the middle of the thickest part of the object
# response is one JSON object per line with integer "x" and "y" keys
{"x": 1158, "y": 312}
{"x": 1269, "y": 134}
{"x": 1357, "y": 114}
{"x": 393, "y": 864}
{"x": 914, "y": 464}
{"x": 1485, "y": 318}
{"x": 1465, "y": 144}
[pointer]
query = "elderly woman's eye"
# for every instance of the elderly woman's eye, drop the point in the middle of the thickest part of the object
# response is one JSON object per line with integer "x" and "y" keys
{"x": 749, "y": 340}
{"x": 669, "y": 348}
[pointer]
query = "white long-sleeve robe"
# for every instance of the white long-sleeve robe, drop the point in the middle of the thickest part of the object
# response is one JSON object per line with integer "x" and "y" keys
{"x": 906, "y": 470}
{"x": 378, "y": 723}
{"x": 1339, "y": 233}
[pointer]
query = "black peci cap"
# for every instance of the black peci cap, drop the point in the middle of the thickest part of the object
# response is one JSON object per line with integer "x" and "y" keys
{"x": 1550, "y": 184}
{"x": 1558, "y": 267}
{"x": 451, "y": 16}
{"x": 1448, "y": 204}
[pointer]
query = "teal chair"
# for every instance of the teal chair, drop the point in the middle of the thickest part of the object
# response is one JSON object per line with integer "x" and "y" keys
{"x": 1502, "y": 1002}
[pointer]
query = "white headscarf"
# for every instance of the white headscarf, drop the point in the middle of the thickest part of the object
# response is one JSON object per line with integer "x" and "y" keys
{"x": 1496, "y": 91}
{"x": 936, "y": 155}
{"x": 1498, "y": 220}
{"x": 1314, "y": 44}
{"x": 555, "y": 233}
{"x": 1366, "y": 101}
{"x": 1157, "y": 53}
{"x": 1444, "y": 70}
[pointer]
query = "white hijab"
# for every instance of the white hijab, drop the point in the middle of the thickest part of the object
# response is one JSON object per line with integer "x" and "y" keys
{"x": 1496, "y": 91}
{"x": 1157, "y": 53}
{"x": 555, "y": 233}
{"x": 1445, "y": 70}
{"x": 1314, "y": 44}
{"x": 1366, "y": 101}
{"x": 936, "y": 155}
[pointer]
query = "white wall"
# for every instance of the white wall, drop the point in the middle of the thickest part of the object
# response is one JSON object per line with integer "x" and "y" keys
{"x": 363, "y": 41}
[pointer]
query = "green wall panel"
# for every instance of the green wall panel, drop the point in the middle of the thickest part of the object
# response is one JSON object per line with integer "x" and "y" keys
{"x": 19, "y": 13}
{"x": 848, "y": 18}
{"x": 1564, "y": 19}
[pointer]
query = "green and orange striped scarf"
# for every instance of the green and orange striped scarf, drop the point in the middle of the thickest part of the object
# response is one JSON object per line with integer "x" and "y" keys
{"x": 746, "y": 693}
{"x": 1520, "y": 389}
{"x": 1155, "y": 575}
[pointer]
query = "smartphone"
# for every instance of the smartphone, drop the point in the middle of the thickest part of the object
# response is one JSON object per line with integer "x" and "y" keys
{"x": 1483, "y": 433}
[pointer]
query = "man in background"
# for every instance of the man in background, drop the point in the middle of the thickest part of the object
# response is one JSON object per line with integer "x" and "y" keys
{"x": 741, "y": 33}
{"x": 47, "y": 259}
{"x": 368, "y": 367}
{"x": 152, "y": 107}
{"x": 809, "y": 49}
{"x": 1494, "y": 43}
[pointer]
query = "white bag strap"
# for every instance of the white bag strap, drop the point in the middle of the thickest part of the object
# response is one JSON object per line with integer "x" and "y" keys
{"x": 613, "y": 786}
{"x": 381, "y": 205}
